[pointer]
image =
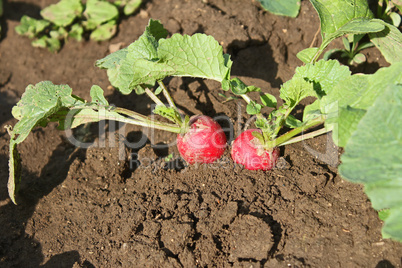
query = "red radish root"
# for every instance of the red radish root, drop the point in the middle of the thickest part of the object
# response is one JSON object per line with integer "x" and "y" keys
{"x": 248, "y": 151}
{"x": 204, "y": 142}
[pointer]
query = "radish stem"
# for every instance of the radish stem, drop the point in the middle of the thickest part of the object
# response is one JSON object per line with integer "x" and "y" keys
{"x": 166, "y": 94}
{"x": 146, "y": 122}
{"x": 153, "y": 97}
{"x": 306, "y": 136}
{"x": 287, "y": 136}
{"x": 133, "y": 118}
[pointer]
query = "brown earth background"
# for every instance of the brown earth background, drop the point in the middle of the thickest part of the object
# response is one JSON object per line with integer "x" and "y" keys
{"x": 128, "y": 207}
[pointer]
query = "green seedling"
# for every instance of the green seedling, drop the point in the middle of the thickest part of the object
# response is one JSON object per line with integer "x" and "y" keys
{"x": 387, "y": 10}
{"x": 169, "y": 157}
{"x": 73, "y": 19}
{"x": 352, "y": 49}
{"x": 341, "y": 17}
{"x": 227, "y": 98}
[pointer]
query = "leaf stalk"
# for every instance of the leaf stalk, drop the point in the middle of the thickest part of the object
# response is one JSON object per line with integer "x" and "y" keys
{"x": 290, "y": 134}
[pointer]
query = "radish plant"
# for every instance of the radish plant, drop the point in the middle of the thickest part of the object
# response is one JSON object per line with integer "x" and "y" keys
{"x": 139, "y": 67}
{"x": 362, "y": 111}
{"x": 342, "y": 17}
{"x": 387, "y": 10}
{"x": 352, "y": 49}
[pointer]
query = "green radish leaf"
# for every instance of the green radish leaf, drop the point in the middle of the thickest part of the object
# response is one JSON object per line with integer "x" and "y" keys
{"x": 329, "y": 53}
{"x": 383, "y": 214}
{"x": 146, "y": 72}
{"x": 269, "y": 100}
{"x": 119, "y": 64}
{"x": 63, "y": 13}
{"x": 346, "y": 43}
{"x": 312, "y": 111}
{"x": 169, "y": 157}
{"x": 356, "y": 26}
{"x": 288, "y": 8}
{"x": 396, "y": 19}
{"x": 372, "y": 157}
{"x": 97, "y": 95}
{"x": 14, "y": 164}
{"x": 262, "y": 123}
{"x": 62, "y": 33}
{"x": 58, "y": 34}
{"x": 346, "y": 124}
{"x": 139, "y": 90}
{"x": 170, "y": 113}
{"x": 296, "y": 89}
{"x": 364, "y": 46}
{"x": 119, "y": 70}
{"x": 346, "y": 103}
{"x": 36, "y": 105}
{"x": 307, "y": 55}
{"x": 357, "y": 37}
{"x": 46, "y": 102}
{"x": 335, "y": 14}
{"x": 158, "y": 91}
{"x": 360, "y": 91}
{"x": 382, "y": 125}
{"x": 392, "y": 225}
{"x": 104, "y": 31}
{"x": 323, "y": 74}
{"x": 112, "y": 61}
{"x": 237, "y": 86}
{"x": 385, "y": 193}
{"x": 198, "y": 55}
{"x": 98, "y": 12}
{"x": 76, "y": 32}
{"x": 265, "y": 126}
{"x": 53, "y": 44}
{"x": 253, "y": 108}
{"x": 342, "y": 17}
{"x": 41, "y": 42}
{"x": 293, "y": 122}
{"x": 253, "y": 89}
{"x": 259, "y": 136}
{"x": 359, "y": 58}
{"x": 146, "y": 46}
{"x": 389, "y": 42}
{"x": 152, "y": 58}
{"x": 131, "y": 7}
{"x": 31, "y": 27}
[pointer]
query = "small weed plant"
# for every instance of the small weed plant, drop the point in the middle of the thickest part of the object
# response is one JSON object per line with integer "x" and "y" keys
{"x": 362, "y": 111}
{"x": 73, "y": 19}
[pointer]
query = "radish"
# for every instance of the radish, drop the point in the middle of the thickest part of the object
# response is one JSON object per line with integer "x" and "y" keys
{"x": 248, "y": 151}
{"x": 204, "y": 142}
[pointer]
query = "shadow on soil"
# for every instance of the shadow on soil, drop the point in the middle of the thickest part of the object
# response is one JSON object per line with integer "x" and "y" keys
{"x": 254, "y": 60}
{"x": 18, "y": 248}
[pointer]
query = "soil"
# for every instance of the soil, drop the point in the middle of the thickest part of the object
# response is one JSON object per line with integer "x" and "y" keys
{"x": 112, "y": 205}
